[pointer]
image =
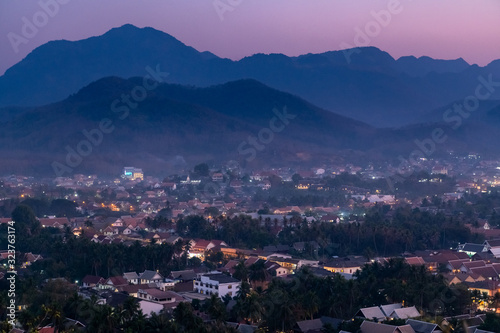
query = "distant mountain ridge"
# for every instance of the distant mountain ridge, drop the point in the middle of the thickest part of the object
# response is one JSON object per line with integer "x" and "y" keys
{"x": 98, "y": 130}
{"x": 373, "y": 87}
{"x": 173, "y": 126}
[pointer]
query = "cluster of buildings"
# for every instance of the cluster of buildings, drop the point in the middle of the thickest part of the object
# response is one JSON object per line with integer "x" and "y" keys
{"x": 231, "y": 191}
{"x": 155, "y": 293}
{"x": 477, "y": 266}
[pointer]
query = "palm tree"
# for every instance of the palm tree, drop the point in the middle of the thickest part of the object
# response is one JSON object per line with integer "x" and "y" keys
{"x": 73, "y": 306}
{"x": 243, "y": 291}
{"x": 241, "y": 271}
{"x": 310, "y": 304}
{"x": 495, "y": 300}
{"x": 257, "y": 272}
{"x": 216, "y": 308}
{"x": 104, "y": 320}
{"x": 252, "y": 308}
{"x": 130, "y": 309}
{"x": 184, "y": 316}
{"x": 160, "y": 323}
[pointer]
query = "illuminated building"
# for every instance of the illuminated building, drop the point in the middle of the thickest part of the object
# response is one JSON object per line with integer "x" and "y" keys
{"x": 133, "y": 173}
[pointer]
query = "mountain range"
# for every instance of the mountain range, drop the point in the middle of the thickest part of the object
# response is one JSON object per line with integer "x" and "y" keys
{"x": 365, "y": 84}
{"x": 103, "y": 127}
{"x": 140, "y": 97}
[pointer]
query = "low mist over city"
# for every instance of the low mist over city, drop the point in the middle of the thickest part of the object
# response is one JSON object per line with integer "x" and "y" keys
{"x": 244, "y": 166}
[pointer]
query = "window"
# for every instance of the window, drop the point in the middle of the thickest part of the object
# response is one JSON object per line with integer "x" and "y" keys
{"x": 230, "y": 286}
{"x": 230, "y": 293}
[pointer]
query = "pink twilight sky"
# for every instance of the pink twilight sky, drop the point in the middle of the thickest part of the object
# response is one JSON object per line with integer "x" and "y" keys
{"x": 443, "y": 29}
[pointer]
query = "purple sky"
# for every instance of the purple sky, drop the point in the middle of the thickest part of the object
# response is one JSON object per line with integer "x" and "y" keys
{"x": 444, "y": 29}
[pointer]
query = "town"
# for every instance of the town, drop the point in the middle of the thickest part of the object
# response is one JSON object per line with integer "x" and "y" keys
{"x": 228, "y": 248}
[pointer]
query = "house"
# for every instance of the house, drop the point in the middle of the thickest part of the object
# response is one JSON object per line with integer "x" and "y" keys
{"x": 161, "y": 237}
{"x": 471, "y": 249}
{"x": 56, "y": 222}
{"x": 344, "y": 265}
{"x": 133, "y": 289}
{"x": 439, "y": 170}
{"x": 422, "y": 326}
{"x": 5, "y": 220}
{"x": 287, "y": 210}
{"x": 91, "y": 281}
{"x": 467, "y": 266}
{"x": 216, "y": 284}
{"x": 381, "y": 198}
{"x": 330, "y": 218}
{"x": 102, "y": 239}
{"x": 487, "y": 286}
{"x": 487, "y": 272}
{"x": 292, "y": 264}
{"x": 150, "y": 277}
{"x": 173, "y": 239}
{"x": 303, "y": 185}
{"x": 116, "y": 281}
{"x": 316, "y": 325}
{"x": 148, "y": 307}
{"x": 265, "y": 185}
{"x": 461, "y": 278}
{"x": 435, "y": 259}
{"x": 230, "y": 267}
{"x": 321, "y": 272}
{"x": 454, "y": 265}
{"x": 199, "y": 247}
{"x": 405, "y": 313}
{"x": 183, "y": 276}
{"x": 231, "y": 252}
{"x": 492, "y": 243}
{"x": 371, "y": 327}
{"x": 495, "y": 251}
{"x": 275, "y": 269}
{"x": 128, "y": 231}
{"x": 371, "y": 313}
{"x": 110, "y": 231}
{"x": 157, "y": 295}
{"x": 486, "y": 256}
{"x": 131, "y": 277}
{"x": 115, "y": 300}
{"x": 117, "y": 223}
{"x": 389, "y": 308}
{"x": 30, "y": 258}
{"x": 415, "y": 261}
{"x": 217, "y": 177}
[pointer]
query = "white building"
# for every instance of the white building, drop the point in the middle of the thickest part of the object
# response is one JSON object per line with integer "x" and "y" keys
{"x": 131, "y": 277}
{"x": 157, "y": 295}
{"x": 381, "y": 198}
{"x": 216, "y": 284}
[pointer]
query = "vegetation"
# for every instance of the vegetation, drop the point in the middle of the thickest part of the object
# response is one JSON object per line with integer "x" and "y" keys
{"x": 279, "y": 307}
